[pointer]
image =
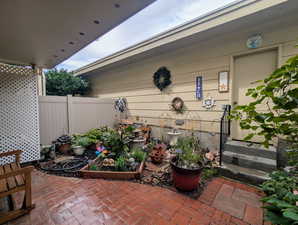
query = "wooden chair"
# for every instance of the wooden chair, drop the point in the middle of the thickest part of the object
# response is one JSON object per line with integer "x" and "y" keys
{"x": 13, "y": 179}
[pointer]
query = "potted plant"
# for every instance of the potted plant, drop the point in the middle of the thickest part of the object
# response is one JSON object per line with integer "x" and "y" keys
{"x": 94, "y": 136}
{"x": 63, "y": 144}
{"x": 79, "y": 145}
{"x": 187, "y": 164}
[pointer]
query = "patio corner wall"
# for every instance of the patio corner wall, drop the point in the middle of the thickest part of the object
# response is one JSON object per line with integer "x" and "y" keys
{"x": 19, "y": 125}
{"x": 60, "y": 115}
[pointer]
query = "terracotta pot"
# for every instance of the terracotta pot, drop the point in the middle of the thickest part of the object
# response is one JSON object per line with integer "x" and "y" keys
{"x": 157, "y": 155}
{"x": 65, "y": 148}
{"x": 185, "y": 179}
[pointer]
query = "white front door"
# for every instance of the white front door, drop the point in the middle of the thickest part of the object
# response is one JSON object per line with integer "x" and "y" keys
{"x": 248, "y": 69}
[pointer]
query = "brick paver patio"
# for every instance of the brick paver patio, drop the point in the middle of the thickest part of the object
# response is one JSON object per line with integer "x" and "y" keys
{"x": 72, "y": 201}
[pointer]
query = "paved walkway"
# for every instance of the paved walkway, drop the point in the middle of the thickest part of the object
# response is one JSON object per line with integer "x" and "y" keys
{"x": 72, "y": 201}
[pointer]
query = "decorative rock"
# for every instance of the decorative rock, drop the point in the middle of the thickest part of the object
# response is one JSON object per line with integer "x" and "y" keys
{"x": 108, "y": 162}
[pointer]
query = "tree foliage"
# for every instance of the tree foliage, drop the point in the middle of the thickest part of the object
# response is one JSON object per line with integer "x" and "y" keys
{"x": 279, "y": 94}
{"x": 62, "y": 83}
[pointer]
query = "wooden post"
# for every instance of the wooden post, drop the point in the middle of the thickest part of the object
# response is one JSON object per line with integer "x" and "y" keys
{"x": 28, "y": 191}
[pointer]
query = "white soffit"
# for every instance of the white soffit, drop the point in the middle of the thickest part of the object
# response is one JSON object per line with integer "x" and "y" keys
{"x": 45, "y": 33}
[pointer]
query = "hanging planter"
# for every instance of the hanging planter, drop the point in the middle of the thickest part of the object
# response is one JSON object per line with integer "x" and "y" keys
{"x": 162, "y": 78}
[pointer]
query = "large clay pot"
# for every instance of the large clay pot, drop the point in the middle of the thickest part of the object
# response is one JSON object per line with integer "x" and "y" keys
{"x": 185, "y": 179}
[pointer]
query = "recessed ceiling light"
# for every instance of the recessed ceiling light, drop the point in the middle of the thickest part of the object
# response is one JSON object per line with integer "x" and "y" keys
{"x": 71, "y": 43}
{"x": 96, "y": 21}
{"x": 82, "y": 33}
{"x": 117, "y": 5}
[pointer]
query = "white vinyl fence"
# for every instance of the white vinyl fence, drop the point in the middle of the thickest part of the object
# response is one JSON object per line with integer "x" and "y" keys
{"x": 60, "y": 115}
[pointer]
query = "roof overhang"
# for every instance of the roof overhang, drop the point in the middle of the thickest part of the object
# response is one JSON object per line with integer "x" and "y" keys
{"x": 45, "y": 33}
{"x": 233, "y": 18}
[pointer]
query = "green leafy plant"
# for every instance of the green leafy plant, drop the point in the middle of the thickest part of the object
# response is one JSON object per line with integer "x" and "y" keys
{"x": 281, "y": 201}
{"x": 93, "y": 167}
{"x": 94, "y": 135}
{"x": 120, "y": 163}
{"x": 208, "y": 173}
{"x": 62, "y": 83}
{"x": 81, "y": 141}
{"x": 189, "y": 153}
{"x": 279, "y": 93}
{"x": 138, "y": 154}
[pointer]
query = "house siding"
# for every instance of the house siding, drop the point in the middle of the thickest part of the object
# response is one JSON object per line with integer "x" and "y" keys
{"x": 203, "y": 58}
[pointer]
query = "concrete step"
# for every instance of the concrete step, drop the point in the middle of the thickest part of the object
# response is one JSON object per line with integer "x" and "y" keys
{"x": 249, "y": 161}
{"x": 246, "y": 175}
{"x": 252, "y": 149}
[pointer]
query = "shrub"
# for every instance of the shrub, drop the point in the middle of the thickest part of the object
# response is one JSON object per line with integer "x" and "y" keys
{"x": 281, "y": 200}
{"x": 62, "y": 83}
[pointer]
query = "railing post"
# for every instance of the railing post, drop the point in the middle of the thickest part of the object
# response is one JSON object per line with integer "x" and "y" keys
{"x": 224, "y": 130}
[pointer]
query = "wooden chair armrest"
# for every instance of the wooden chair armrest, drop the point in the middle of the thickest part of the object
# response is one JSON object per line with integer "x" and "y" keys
{"x": 25, "y": 170}
{"x": 17, "y": 154}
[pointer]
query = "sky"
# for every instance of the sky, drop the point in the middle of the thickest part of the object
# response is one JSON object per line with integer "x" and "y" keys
{"x": 158, "y": 17}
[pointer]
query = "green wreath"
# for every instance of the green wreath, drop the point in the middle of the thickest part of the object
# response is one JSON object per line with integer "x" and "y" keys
{"x": 162, "y": 78}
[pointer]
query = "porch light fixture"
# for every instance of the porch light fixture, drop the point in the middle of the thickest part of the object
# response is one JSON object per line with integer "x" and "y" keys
{"x": 96, "y": 21}
{"x": 117, "y": 5}
{"x": 71, "y": 43}
{"x": 82, "y": 33}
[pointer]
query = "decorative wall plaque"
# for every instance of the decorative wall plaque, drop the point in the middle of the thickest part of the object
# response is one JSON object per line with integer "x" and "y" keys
{"x": 208, "y": 103}
{"x": 199, "y": 88}
{"x": 223, "y": 81}
{"x": 255, "y": 41}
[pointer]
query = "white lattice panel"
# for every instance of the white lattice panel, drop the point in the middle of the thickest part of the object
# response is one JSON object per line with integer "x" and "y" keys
{"x": 17, "y": 70}
{"x": 19, "y": 124}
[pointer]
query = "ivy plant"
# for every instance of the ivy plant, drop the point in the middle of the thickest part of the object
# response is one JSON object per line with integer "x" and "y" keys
{"x": 279, "y": 94}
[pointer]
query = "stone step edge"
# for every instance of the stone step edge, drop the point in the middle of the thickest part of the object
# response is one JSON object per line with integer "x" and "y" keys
{"x": 241, "y": 149}
{"x": 255, "y": 159}
{"x": 242, "y": 176}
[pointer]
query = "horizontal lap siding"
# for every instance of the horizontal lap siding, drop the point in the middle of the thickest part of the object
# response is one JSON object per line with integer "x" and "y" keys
{"x": 147, "y": 104}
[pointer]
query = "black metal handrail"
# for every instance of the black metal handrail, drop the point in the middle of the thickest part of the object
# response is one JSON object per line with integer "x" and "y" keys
{"x": 225, "y": 130}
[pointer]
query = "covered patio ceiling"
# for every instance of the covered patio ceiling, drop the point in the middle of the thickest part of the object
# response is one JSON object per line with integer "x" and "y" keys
{"x": 45, "y": 33}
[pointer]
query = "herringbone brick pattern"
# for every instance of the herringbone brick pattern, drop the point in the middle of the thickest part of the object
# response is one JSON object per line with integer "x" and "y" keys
{"x": 73, "y": 201}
